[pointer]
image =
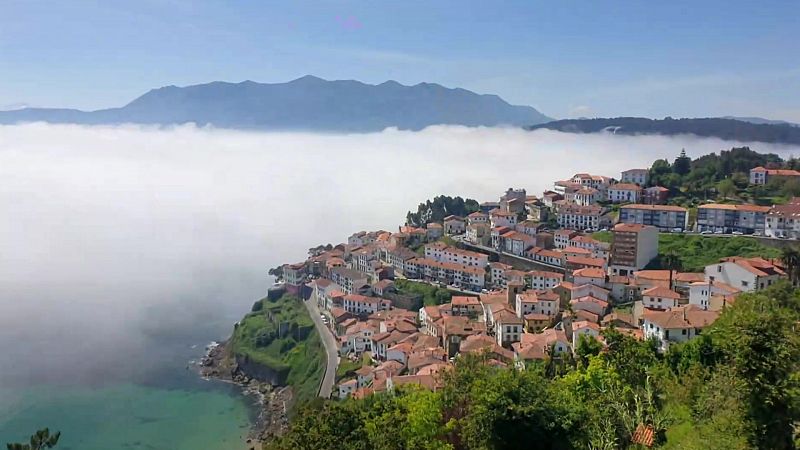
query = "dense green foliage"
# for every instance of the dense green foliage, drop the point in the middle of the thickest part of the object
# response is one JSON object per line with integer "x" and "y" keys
{"x": 440, "y": 207}
{"x": 431, "y": 295}
{"x": 714, "y": 176}
{"x": 694, "y": 252}
{"x": 728, "y": 129}
{"x": 40, "y": 440}
{"x": 281, "y": 336}
{"x": 735, "y": 387}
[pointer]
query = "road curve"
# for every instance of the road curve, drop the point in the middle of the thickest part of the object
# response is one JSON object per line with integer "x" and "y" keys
{"x": 329, "y": 342}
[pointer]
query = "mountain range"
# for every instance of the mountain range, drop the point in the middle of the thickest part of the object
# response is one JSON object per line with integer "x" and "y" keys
{"x": 307, "y": 103}
{"x": 722, "y": 128}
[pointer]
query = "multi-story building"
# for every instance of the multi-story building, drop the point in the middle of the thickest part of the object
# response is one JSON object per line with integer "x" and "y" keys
{"x": 663, "y": 217}
{"x": 349, "y": 279}
{"x": 596, "y": 181}
{"x": 635, "y": 176}
{"x": 579, "y": 217}
{"x": 783, "y": 221}
{"x": 499, "y": 218}
{"x": 442, "y": 252}
{"x": 469, "y": 277}
{"x": 360, "y": 305}
{"x": 761, "y": 175}
{"x": 479, "y": 234}
{"x": 632, "y": 247}
{"x": 516, "y": 243}
{"x": 477, "y": 217}
{"x": 513, "y": 200}
{"x": 562, "y": 238}
{"x": 748, "y": 219}
{"x": 624, "y": 192}
{"x": 656, "y": 195}
{"x": 587, "y": 196}
{"x": 541, "y": 279}
{"x": 294, "y": 275}
{"x": 454, "y": 225}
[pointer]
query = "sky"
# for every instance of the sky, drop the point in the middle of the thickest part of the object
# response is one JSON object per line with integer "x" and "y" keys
{"x": 566, "y": 58}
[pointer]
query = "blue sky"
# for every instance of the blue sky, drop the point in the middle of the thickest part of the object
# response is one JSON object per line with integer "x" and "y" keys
{"x": 566, "y": 58}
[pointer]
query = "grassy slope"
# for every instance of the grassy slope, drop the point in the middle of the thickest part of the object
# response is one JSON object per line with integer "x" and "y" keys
{"x": 696, "y": 252}
{"x": 304, "y": 360}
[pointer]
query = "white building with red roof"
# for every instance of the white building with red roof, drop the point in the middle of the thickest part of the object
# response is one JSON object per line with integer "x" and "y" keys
{"x": 746, "y": 274}
{"x": 676, "y": 325}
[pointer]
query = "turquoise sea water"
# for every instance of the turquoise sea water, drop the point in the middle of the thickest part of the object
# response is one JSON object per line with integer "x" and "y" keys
{"x": 151, "y": 399}
{"x": 129, "y": 416}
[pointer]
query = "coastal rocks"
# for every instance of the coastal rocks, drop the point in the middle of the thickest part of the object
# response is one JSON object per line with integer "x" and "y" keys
{"x": 247, "y": 368}
{"x": 257, "y": 381}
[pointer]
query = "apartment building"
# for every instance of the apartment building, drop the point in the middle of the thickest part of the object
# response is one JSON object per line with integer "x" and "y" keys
{"x": 663, "y": 217}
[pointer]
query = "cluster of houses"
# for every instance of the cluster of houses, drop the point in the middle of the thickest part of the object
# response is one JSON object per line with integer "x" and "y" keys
{"x": 518, "y": 316}
{"x": 523, "y": 291}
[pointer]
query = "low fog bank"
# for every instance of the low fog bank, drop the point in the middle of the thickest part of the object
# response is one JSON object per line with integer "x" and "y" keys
{"x": 119, "y": 241}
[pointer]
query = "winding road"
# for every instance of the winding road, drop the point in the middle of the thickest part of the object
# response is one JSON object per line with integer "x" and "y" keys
{"x": 329, "y": 342}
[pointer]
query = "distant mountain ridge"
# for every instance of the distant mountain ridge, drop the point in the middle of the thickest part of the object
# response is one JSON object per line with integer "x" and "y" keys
{"x": 722, "y": 128}
{"x": 307, "y": 103}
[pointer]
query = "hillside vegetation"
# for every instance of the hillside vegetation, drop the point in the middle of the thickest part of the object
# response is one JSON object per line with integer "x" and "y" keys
{"x": 280, "y": 336}
{"x": 737, "y": 386}
{"x": 695, "y": 252}
{"x": 440, "y": 207}
{"x": 727, "y": 129}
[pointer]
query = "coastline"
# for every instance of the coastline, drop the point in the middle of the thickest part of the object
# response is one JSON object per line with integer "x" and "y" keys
{"x": 272, "y": 418}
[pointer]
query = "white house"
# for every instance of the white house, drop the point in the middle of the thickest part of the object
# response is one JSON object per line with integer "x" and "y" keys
{"x": 583, "y": 327}
{"x": 454, "y": 225}
{"x": 507, "y": 327}
{"x": 589, "y": 275}
{"x": 624, "y": 192}
{"x": 676, "y": 325}
{"x": 700, "y": 292}
{"x": 660, "y": 297}
{"x": 541, "y": 279}
{"x": 746, "y": 274}
{"x": 499, "y": 218}
{"x": 636, "y": 176}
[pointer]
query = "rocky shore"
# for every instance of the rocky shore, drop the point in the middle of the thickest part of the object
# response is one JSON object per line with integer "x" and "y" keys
{"x": 273, "y": 401}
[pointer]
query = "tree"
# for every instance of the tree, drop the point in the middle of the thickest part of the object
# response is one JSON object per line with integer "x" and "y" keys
{"x": 672, "y": 262}
{"x": 682, "y": 163}
{"x": 791, "y": 259}
{"x": 758, "y": 341}
{"x": 40, "y": 440}
{"x": 726, "y": 188}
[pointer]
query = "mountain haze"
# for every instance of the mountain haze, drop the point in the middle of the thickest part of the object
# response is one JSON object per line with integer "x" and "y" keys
{"x": 307, "y": 103}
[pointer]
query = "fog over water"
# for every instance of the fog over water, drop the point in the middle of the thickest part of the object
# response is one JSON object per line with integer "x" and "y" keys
{"x": 119, "y": 245}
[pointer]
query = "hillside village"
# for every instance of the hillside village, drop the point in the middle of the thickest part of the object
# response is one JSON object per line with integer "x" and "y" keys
{"x": 557, "y": 284}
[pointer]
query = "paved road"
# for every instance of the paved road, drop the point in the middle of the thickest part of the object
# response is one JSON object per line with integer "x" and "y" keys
{"x": 329, "y": 342}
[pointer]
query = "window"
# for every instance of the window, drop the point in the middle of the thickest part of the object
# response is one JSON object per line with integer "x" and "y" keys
{"x": 683, "y": 331}
{"x": 745, "y": 283}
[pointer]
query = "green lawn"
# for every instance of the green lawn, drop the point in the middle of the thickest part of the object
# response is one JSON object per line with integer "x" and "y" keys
{"x": 602, "y": 236}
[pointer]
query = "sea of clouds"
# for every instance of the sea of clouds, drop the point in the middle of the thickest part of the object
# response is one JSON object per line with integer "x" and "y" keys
{"x": 116, "y": 239}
